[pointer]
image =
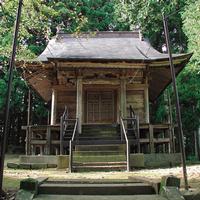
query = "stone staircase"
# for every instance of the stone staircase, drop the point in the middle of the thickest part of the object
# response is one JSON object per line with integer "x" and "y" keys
{"x": 95, "y": 188}
{"x": 99, "y": 148}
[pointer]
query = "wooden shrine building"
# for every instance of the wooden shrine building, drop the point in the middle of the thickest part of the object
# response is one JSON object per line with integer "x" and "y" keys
{"x": 104, "y": 82}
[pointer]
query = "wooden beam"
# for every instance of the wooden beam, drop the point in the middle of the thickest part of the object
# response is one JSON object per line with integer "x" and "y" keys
{"x": 79, "y": 103}
{"x": 53, "y": 107}
{"x": 100, "y": 87}
{"x": 101, "y": 81}
{"x": 136, "y": 86}
{"x": 116, "y": 65}
{"x": 66, "y": 87}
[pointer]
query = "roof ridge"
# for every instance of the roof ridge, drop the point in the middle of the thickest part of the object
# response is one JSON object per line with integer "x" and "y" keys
{"x": 102, "y": 34}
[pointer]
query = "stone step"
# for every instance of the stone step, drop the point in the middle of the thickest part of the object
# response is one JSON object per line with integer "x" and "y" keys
{"x": 95, "y": 158}
{"x": 99, "y": 142}
{"x": 99, "y": 126}
{"x": 96, "y": 189}
{"x": 97, "y": 168}
{"x": 98, "y": 153}
{"x": 93, "y": 130}
{"x": 99, "y": 129}
{"x": 103, "y": 147}
{"x": 99, "y": 137}
{"x": 122, "y": 163}
{"x": 98, "y": 134}
{"x": 99, "y": 197}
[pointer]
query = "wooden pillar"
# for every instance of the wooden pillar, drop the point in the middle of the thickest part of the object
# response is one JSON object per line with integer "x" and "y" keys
{"x": 123, "y": 108}
{"x": 118, "y": 105}
{"x": 197, "y": 148}
{"x": 29, "y": 122}
{"x": 53, "y": 107}
{"x": 79, "y": 95}
{"x": 170, "y": 121}
{"x": 48, "y": 138}
{"x": 146, "y": 100}
{"x": 151, "y": 139}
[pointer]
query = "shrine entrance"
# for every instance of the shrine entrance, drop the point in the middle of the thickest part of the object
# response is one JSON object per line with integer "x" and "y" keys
{"x": 100, "y": 107}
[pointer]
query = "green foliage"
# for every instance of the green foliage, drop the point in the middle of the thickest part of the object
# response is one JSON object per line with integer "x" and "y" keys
{"x": 147, "y": 15}
{"x": 191, "y": 26}
{"x": 41, "y": 19}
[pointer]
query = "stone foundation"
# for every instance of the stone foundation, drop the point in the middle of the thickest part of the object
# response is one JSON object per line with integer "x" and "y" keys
{"x": 62, "y": 161}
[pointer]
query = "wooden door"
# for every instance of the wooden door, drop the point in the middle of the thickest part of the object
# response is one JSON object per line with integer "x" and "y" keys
{"x": 100, "y": 107}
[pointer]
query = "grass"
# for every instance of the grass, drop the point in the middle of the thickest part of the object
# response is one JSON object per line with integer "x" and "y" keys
{"x": 10, "y": 183}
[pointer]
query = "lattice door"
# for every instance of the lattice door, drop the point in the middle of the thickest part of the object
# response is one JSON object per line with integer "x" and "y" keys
{"x": 100, "y": 107}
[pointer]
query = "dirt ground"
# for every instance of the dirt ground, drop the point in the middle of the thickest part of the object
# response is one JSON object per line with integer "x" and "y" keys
{"x": 12, "y": 177}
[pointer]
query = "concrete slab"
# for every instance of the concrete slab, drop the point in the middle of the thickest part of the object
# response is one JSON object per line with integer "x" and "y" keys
{"x": 92, "y": 197}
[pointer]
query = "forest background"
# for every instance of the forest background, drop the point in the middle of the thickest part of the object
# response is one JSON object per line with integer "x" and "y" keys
{"x": 41, "y": 19}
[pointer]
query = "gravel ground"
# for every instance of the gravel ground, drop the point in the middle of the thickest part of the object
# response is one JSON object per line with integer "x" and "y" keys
{"x": 155, "y": 174}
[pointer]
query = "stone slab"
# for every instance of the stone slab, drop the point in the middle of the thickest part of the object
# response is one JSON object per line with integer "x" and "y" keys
{"x": 171, "y": 193}
{"x": 29, "y": 184}
{"x": 52, "y": 165}
{"x": 62, "y": 162}
{"x": 24, "y": 166}
{"x": 191, "y": 194}
{"x": 96, "y": 189}
{"x": 162, "y": 160}
{"x": 154, "y": 183}
{"x": 169, "y": 181}
{"x": 38, "y": 159}
{"x": 38, "y": 165}
{"x": 24, "y": 195}
{"x": 137, "y": 160}
{"x": 13, "y": 165}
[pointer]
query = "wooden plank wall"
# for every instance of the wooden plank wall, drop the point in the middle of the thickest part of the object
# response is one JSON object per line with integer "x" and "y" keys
{"x": 135, "y": 98}
{"x": 68, "y": 98}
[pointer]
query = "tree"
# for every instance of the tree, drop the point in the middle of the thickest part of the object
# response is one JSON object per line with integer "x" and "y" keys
{"x": 41, "y": 19}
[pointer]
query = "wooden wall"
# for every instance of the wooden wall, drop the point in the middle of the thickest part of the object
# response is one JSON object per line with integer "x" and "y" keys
{"x": 68, "y": 98}
{"x": 135, "y": 98}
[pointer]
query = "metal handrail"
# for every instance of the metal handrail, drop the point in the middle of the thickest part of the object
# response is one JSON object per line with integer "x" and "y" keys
{"x": 71, "y": 145}
{"x": 63, "y": 118}
{"x": 65, "y": 113}
{"x": 75, "y": 130}
{"x": 127, "y": 144}
{"x": 132, "y": 113}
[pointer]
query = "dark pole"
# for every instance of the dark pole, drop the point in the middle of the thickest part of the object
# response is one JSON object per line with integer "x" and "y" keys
{"x": 29, "y": 122}
{"x": 178, "y": 112}
{"x": 29, "y": 112}
{"x": 9, "y": 88}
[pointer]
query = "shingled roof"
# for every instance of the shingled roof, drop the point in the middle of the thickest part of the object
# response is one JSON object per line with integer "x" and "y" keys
{"x": 102, "y": 46}
{"x": 118, "y": 49}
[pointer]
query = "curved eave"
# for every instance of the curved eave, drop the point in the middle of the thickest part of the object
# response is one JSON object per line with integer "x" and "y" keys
{"x": 150, "y": 61}
{"x": 161, "y": 76}
{"x": 153, "y": 62}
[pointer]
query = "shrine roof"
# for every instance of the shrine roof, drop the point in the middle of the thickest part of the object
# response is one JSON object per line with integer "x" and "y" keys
{"x": 102, "y": 46}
